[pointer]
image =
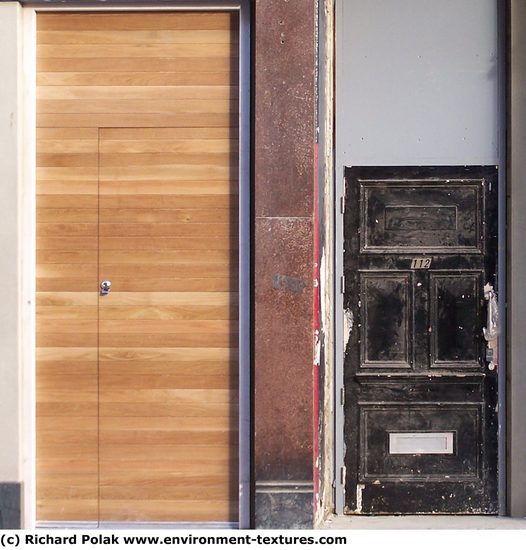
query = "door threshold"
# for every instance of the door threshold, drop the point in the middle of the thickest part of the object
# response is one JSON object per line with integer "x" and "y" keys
{"x": 423, "y": 522}
{"x": 117, "y": 526}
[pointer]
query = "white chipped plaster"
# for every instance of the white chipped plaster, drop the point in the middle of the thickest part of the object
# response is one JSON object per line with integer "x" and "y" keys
{"x": 326, "y": 504}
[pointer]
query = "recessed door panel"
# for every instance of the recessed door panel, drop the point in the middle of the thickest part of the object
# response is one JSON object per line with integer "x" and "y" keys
{"x": 455, "y": 316}
{"x": 425, "y": 454}
{"x": 385, "y": 311}
{"x": 421, "y": 216}
{"x": 420, "y": 385}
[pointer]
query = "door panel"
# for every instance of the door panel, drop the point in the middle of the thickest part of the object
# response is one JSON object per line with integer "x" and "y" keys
{"x": 387, "y": 317}
{"x": 420, "y": 396}
{"x": 455, "y": 315}
{"x": 428, "y": 216}
{"x": 459, "y": 461}
{"x": 170, "y": 413}
{"x": 67, "y": 331}
{"x": 137, "y": 162}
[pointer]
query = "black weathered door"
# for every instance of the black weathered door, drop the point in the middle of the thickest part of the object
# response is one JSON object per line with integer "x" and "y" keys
{"x": 420, "y": 386}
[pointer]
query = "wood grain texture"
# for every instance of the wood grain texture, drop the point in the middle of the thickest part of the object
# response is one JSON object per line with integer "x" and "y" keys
{"x": 137, "y": 21}
{"x": 137, "y": 146}
{"x": 92, "y": 74}
{"x": 139, "y": 244}
{"x": 67, "y": 325}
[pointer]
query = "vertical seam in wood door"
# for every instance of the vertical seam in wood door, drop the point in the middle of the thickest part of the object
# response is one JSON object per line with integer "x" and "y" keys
{"x": 98, "y": 327}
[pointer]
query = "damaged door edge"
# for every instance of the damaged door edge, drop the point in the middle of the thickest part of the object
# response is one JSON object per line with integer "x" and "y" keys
{"x": 348, "y": 323}
{"x": 491, "y": 331}
{"x": 342, "y": 328}
{"x": 359, "y": 492}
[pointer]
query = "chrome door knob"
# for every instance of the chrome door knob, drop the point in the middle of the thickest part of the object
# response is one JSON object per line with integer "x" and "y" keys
{"x": 105, "y": 287}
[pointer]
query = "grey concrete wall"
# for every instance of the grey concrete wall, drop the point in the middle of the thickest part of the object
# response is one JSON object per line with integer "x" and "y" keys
{"x": 517, "y": 264}
{"x": 417, "y": 82}
{"x": 10, "y": 166}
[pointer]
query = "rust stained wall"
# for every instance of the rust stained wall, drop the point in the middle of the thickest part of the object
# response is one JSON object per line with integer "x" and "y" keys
{"x": 283, "y": 163}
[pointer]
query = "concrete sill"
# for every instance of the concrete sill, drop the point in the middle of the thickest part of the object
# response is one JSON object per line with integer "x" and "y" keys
{"x": 423, "y": 522}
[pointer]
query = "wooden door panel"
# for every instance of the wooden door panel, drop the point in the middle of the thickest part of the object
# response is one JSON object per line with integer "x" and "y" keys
{"x": 67, "y": 330}
{"x": 137, "y": 150}
{"x": 164, "y": 345}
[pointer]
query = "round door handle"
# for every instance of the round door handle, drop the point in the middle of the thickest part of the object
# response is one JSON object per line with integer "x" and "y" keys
{"x": 105, "y": 287}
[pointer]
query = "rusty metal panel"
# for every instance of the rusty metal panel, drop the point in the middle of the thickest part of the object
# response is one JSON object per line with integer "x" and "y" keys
{"x": 283, "y": 334}
{"x": 284, "y": 107}
{"x": 283, "y": 204}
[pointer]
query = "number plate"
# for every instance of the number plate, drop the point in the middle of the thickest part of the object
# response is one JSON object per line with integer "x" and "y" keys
{"x": 420, "y": 263}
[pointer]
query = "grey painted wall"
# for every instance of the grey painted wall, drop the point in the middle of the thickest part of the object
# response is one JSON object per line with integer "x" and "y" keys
{"x": 417, "y": 82}
{"x": 11, "y": 64}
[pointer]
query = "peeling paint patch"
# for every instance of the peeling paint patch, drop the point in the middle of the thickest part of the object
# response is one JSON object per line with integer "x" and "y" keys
{"x": 317, "y": 347}
{"x": 284, "y": 282}
{"x": 348, "y": 323}
{"x": 359, "y": 503}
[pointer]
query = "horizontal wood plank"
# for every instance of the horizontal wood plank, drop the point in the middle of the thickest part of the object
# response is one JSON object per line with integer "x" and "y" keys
{"x": 199, "y": 107}
{"x": 135, "y": 77}
{"x": 143, "y": 21}
{"x": 191, "y": 312}
{"x": 137, "y": 92}
{"x": 163, "y": 510}
{"x": 168, "y": 118}
{"x": 135, "y": 37}
{"x": 105, "y": 51}
{"x": 152, "y": 65}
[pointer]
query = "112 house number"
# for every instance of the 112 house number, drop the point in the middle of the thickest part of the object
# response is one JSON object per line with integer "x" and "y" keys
{"x": 420, "y": 263}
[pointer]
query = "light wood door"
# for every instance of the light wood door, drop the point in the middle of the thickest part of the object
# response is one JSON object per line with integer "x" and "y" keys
{"x": 137, "y": 183}
{"x": 168, "y": 328}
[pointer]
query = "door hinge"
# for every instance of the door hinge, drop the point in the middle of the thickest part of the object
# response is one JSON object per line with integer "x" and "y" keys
{"x": 342, "y": 284}
{"x": 342, "y": 198}
{"x": 341, "y": 481}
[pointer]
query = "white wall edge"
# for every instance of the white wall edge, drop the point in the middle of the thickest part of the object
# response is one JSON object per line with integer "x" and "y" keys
{"x": 27, "y": 258}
